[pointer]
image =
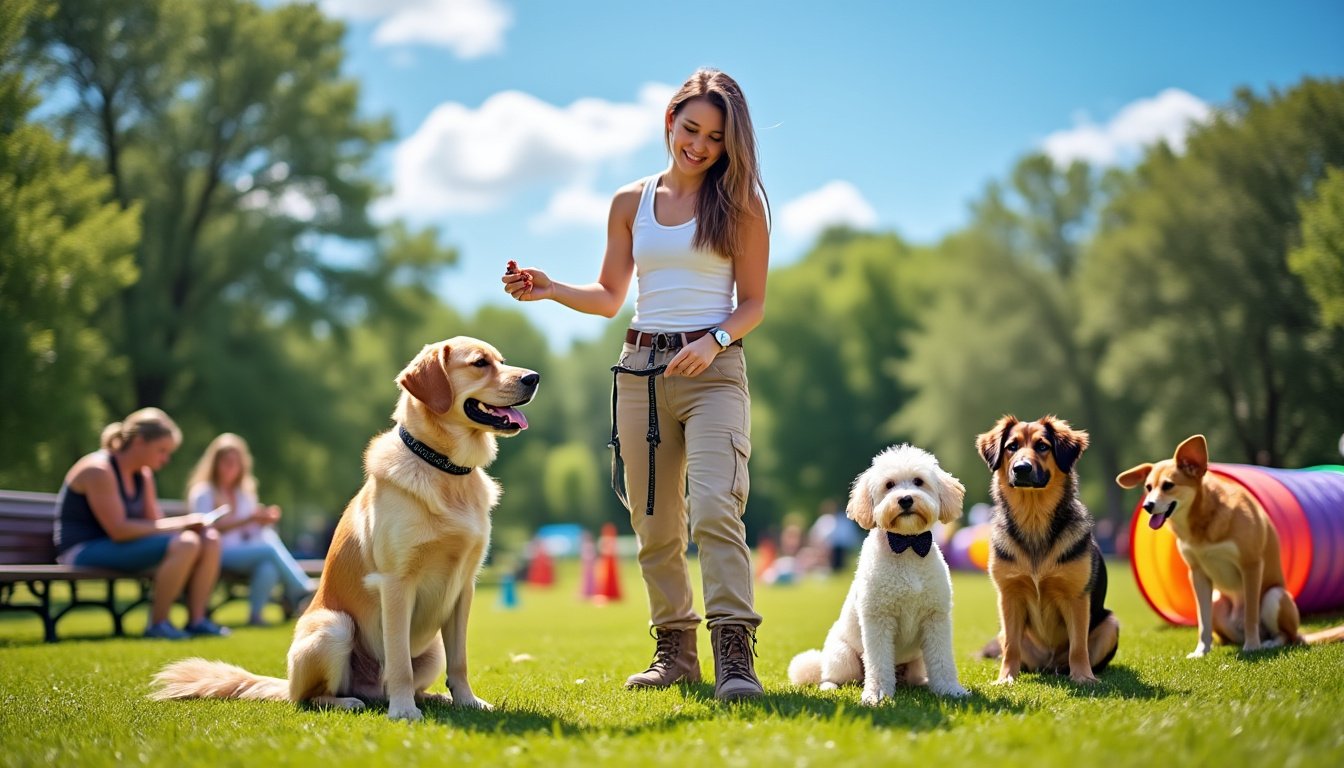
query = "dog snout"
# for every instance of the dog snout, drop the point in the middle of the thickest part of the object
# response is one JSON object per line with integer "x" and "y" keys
{"x": 1148, "y": 505}
{"x": 531, "y": 380}
{"x": 1022, "y": 469}
{"x": 906, "y": 502}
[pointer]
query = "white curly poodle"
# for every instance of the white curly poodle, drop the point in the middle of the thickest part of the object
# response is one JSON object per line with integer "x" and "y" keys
{"x": 897, "y": 618}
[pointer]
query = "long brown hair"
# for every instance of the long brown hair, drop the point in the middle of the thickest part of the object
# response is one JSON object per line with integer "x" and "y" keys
{"x": 733, "y": 184}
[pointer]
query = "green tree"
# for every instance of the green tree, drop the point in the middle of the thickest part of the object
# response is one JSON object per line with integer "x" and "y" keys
{"x": 572, "y": 484}
{"x": 824, "y": 370}
{"x": 1003, "y": 334}
{"x": 1210, "y": 328}
{"x": 229, "y": 126}
{"x": 66, "y": 250}
{"x": 1319, "y": 260}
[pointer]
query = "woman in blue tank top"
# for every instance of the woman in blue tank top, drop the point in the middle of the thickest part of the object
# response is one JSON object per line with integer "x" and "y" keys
{"x": 109, "y": 517}
{"x": 696, "y": 237}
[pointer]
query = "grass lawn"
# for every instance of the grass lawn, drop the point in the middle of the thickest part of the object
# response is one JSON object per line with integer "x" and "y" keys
{"x": 553, "y": 668}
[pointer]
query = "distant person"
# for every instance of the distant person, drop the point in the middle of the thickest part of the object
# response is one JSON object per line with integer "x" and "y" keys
{"x": 223, "y": 477}
{"x": 109, "y": 517}
{"x": 836, "y": 533}
{"x": 696, "y": 236}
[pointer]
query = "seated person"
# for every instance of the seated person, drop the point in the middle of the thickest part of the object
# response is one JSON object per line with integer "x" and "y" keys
{"x": 109, "y": 517}
{"x": 223, "y": 477}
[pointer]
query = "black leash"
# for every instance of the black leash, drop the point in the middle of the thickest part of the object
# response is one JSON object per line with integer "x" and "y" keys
{"x": 653, "y": 437}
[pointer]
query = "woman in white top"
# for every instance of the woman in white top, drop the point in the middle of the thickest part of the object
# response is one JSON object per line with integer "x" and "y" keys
{"x": 696, "y": 236}
{"x": 249, "y": 544}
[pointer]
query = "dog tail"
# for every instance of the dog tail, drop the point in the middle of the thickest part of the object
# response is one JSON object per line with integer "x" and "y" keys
{"x": 198, "y": 678}
{"x": 805, "y": 669}
{"x": 1331, "y": 635}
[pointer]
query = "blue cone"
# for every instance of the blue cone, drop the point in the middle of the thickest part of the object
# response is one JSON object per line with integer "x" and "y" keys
{"x": 508, "y": 592}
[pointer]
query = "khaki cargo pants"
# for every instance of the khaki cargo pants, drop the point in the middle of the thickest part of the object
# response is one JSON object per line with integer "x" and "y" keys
{"x": 700, "y": 480}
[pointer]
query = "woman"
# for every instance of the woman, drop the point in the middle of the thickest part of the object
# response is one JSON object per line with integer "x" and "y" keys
{"x": 223, "y": 477}
{"x": 696, "y": 234}
{"x": 109, "y": 517}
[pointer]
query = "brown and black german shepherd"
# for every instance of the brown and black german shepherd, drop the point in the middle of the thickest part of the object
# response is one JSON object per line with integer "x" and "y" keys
{"x": 1043, "y": 559}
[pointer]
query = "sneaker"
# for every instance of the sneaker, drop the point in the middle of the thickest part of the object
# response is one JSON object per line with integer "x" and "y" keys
{"x": 164, "y": 630}
{"x": 207, "y": 627}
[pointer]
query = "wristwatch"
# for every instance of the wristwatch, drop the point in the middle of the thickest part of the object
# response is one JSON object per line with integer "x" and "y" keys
{"x": 721, "y": 336}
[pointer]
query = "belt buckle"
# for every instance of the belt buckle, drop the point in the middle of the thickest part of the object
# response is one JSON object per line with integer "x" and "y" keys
{"x": 662, "y": 341}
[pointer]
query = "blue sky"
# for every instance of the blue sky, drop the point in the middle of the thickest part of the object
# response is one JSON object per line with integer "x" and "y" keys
{"x": 516, "y": 121}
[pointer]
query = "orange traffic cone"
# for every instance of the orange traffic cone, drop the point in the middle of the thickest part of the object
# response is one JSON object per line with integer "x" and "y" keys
{"x": 765, "y": 555}
{"x": 540, "y": 570}
{"x": 608, "y": 570}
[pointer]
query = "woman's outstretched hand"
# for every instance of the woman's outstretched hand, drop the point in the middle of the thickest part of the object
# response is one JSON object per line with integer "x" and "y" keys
{"x": 527, "y": 284}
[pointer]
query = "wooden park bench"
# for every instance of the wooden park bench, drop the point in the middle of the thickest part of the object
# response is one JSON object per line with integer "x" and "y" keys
{"x": 28, "y": 558}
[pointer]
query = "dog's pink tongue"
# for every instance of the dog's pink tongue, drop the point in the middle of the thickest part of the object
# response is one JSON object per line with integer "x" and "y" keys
{"x": 514, "y": 415}
{"x": 1156, "y": 521}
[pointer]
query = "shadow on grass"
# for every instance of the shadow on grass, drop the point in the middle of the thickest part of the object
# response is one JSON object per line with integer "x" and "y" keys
{"x": 912, "y": 709}
{"x": 1116, "y": 682}
{"x": 1269, "y": 654}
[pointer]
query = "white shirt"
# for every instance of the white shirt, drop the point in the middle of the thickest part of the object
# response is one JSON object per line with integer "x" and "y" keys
{"x": 202, "y": 500}
{"x": 680, "y": 288}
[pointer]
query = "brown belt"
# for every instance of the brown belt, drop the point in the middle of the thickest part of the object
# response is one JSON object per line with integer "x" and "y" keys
{"x": 666, "y": 340}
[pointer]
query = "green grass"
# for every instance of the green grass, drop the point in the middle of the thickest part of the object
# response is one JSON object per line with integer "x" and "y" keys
{"x": 82, "y": 701}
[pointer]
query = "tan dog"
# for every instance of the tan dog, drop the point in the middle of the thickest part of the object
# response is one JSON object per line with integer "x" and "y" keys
{"x": 391, "y": 612}
{"x": 1228, "y": 541}
{"x": 1043, "y": 559}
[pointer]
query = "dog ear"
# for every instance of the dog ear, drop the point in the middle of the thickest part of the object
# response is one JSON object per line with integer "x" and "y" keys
{"x": 1133, "y": 476}
{"x": 860, "y": 507}
{"x": 1069, "y": 443}
{"x": 990, "y": 444}
{"x": 951, "y": 496}
{"x": 426, "y": 378}
{"x": 1192, "y": 456}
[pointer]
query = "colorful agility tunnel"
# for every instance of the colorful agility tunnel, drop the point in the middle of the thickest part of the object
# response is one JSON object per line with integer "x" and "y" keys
{"x": 1306, "y": 507}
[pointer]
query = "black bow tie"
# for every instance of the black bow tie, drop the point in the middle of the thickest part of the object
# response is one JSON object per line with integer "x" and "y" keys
{"x": 920, "y": 542}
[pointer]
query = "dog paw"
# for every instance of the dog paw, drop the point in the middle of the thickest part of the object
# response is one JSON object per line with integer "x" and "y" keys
{"x": 1006, "y": 680}
{"x": 407, "y": 712}
{"x": 1250, "y": 647}
{"x": 1084, "y": 679}
{"x": 471, "y": 702}
{"x": 827, "y": 685}
{"x": 434, "y": 698}
{"x": 954, "y": 691}
{"x": 1275, "y": 643}
{"x": 1200, "y": 652}
{"x": 871, "y": 698}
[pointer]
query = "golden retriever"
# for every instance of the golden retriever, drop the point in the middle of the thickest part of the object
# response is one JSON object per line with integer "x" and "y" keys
{"x": 390, "y": 614}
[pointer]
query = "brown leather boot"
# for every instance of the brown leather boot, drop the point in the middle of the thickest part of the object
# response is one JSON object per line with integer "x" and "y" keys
{"x": 674, "y": 660}
{"x": 734, "y": 668}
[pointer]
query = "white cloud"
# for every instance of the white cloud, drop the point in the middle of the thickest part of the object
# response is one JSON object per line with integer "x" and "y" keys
{"x": 1167, "y": 117}
{"x": 836, "y": 203}
{"x": 469, "y": 28}
{"x": 474, "y": 160}
{"x": 574, "y": 205}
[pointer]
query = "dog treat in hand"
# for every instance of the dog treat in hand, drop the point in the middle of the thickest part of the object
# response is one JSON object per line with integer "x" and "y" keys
{"x": 512, "y": 268}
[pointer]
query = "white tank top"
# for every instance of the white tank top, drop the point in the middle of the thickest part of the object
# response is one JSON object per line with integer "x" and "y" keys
{"x": 679, "y": 288}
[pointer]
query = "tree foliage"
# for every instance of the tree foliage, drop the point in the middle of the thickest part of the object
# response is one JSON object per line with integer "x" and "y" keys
{"x": 1319, "y": 259}
{"x": 65, "y": 252}
{"x": 1209, "y": 328}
